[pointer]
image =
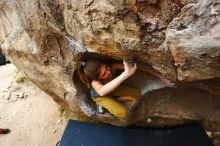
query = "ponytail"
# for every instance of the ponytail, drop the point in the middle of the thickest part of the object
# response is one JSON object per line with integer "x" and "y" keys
{"x": 83, "y": 77}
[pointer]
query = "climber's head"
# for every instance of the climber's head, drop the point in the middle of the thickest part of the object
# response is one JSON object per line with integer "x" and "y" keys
{"x": 92, "y": 69}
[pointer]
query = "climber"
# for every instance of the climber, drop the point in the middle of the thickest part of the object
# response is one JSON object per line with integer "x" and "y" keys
{"x": 106, "y": 89}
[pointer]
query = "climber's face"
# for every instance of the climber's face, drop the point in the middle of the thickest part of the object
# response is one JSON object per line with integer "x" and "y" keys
{"x": 105, "y": 72}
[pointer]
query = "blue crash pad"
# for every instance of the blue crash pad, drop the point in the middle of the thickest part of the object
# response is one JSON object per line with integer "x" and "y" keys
{"x": 95, "y": 134}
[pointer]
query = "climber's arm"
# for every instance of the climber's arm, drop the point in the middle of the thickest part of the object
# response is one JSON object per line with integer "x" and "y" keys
{"x": 143, "y": 68}
{"x": 151, "y": 71}
{"x": 116, "y": 66}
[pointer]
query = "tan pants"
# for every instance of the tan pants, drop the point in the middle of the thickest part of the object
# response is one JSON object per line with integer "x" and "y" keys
{"x": 114, "y": 106}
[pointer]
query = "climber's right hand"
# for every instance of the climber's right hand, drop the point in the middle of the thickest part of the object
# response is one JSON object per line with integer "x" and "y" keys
{"x": 129, "y": 67}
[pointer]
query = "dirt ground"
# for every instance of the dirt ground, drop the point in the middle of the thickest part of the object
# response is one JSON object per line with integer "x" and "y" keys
{"x": 33, "y": 117}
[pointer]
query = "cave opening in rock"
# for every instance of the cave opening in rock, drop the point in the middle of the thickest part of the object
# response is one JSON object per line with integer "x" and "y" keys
{"x": 141, "y": 79}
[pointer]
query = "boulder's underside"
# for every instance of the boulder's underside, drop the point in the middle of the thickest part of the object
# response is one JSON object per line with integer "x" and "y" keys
{"x": 47, "y": 39}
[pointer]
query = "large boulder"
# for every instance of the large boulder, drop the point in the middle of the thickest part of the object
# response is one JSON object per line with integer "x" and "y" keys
{"x": 48, "y": 39}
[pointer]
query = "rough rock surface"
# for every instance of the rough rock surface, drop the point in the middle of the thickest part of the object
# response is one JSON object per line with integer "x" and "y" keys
{"x": 180, "y": 39}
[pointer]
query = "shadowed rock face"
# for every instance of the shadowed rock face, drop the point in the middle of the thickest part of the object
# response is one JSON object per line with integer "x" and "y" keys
{"x": 179, "y": 39}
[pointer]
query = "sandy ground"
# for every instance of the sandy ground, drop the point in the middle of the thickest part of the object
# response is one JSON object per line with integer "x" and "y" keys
{"x": 33, "y": 117}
